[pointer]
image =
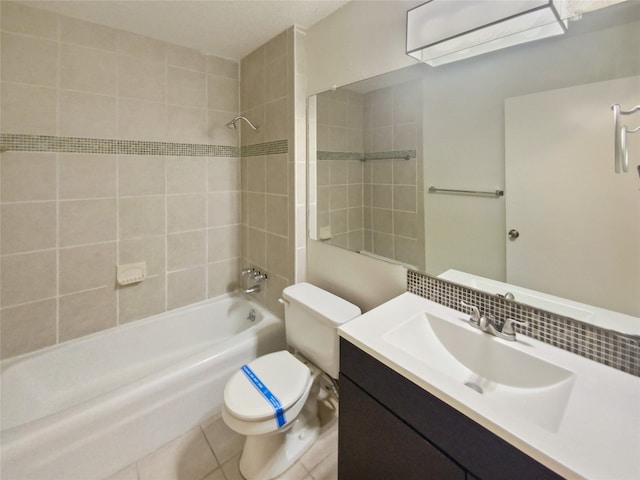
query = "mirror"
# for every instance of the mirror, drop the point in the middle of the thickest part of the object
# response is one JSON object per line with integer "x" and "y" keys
{"x": 520, "y": 120}
{"x": 368, "y": 168}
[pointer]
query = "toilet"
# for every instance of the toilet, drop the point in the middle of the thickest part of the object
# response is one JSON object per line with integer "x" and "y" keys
{"x": 273, "y": 399}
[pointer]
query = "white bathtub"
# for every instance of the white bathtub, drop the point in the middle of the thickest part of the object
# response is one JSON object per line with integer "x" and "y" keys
{"x": 86, "y": 408}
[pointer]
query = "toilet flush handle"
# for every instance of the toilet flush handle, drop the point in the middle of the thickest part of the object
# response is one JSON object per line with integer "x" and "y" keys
{"x": 283, "y": 301}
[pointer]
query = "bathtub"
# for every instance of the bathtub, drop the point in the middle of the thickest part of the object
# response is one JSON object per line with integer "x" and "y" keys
{"x": 87, "y": 408}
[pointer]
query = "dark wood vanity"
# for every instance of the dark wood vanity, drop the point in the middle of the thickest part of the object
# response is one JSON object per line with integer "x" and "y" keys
{"x": 391, "y": 428}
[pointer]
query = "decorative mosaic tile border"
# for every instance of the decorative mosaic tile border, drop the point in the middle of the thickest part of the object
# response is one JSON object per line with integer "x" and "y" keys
{"x": 46, "y": 143}
{"x": 390, "y": 155}
{"x": 603, "y": 346}
{"x": 324, "y": 155}
{"x": 267, "y": 148}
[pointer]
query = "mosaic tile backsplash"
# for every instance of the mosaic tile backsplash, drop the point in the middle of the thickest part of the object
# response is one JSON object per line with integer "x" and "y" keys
{"x": 603, "y": 346}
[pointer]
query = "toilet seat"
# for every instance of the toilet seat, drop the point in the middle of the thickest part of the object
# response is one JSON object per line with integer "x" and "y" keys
{"x": 282, "y": 374}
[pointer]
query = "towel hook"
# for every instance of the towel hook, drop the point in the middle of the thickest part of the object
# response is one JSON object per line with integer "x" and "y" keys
{"x": 621, "y": 149}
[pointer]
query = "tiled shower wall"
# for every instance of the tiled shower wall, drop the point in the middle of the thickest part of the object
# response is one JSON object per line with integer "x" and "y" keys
{"x": 273, "y": 163}
{"x": 123, "y": 157}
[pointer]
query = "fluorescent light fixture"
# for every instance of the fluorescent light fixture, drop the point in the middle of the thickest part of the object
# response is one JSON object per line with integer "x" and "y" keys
{"x": 443, "y": 31}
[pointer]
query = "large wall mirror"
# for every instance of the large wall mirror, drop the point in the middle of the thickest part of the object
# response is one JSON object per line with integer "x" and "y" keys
{"x": 524, "y": 138}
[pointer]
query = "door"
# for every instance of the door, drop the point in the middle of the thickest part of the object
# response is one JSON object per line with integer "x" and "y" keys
{"x": 577, "y": 222}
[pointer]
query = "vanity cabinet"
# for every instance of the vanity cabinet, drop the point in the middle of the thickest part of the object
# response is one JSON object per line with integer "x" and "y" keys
{"x": 391, "y": 428}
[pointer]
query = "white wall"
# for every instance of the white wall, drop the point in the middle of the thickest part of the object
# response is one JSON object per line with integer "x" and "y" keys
{"x": 361, "y": 40}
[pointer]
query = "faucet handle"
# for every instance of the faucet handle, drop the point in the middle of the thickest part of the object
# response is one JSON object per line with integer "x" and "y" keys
{"x": 475, "y": 312}
{"x": 259, "y": 277}
{"x": 508, "y": 328}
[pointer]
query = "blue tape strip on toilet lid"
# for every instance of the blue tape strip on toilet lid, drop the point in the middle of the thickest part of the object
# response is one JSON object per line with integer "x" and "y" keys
{"x": 283, "y": 375}
{"x": 267, "y": 394}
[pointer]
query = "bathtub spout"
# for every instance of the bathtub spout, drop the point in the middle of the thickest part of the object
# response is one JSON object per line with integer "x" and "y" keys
{"x": 254, "y": 289}
{"x": 256, "y": 275}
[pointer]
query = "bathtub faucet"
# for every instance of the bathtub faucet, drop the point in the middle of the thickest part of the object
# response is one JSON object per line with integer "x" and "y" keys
{"x": 255, "y": 276}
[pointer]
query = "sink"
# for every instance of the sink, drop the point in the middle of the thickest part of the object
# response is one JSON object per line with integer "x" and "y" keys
{"x": 504, "y": 376}
{"x": 576, "y": 416}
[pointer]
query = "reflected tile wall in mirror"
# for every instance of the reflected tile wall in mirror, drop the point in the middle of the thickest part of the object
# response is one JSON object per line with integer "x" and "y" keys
{"x": 369, "y": 171}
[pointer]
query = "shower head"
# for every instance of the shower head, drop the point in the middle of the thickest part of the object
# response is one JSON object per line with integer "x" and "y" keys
{"x": 233, "y": 123}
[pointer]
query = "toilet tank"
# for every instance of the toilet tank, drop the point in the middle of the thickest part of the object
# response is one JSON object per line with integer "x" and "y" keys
{"x": 312, "y": 317}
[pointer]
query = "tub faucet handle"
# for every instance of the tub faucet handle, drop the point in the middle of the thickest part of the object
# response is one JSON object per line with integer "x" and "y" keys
{"x": 259, "y": 277}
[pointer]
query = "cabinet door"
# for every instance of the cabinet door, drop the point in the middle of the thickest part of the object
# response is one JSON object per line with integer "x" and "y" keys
{"x": 470, "y": 445}
{"x": 374, "y": 444}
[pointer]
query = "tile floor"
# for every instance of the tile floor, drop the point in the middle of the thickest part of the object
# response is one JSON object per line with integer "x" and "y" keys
{"x": 211, "y": 452}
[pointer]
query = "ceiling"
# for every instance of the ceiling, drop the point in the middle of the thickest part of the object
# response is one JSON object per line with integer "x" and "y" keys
{"x": 224, "y": 28}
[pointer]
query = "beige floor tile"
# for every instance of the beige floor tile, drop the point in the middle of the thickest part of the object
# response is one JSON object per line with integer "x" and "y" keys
{"x": 324, "y": 446}
{"x": 217, "y": 475}
{"x": 327, "y": 469}
{"x": 192, "y": 456}
{"x": 127, "y": 473}
{"x": 231, "y": 469}
{"x": 188, "y": 457}
{"x": 296, "y": 472}
{"x": 224, "y": 442}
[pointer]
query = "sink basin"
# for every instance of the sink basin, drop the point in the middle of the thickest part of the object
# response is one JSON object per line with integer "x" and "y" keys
{"x": 505, "y": 376}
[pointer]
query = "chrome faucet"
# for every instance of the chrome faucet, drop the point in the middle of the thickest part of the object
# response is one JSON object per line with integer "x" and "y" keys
{"x": 255, "y": 275}
{"x": 506, "y": 296}
{"x": 487, "y": 324}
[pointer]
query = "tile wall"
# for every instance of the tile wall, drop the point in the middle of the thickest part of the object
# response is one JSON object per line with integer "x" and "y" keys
{"x": 340, "y": 117}
{"x": 273, "y": 168}
{"x": 372, "y": 205}
{"x": 118, "y": 154}
{"x": 393, "y": 188}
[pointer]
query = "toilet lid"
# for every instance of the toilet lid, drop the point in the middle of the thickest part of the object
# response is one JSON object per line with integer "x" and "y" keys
{"x": 281, "y": 373}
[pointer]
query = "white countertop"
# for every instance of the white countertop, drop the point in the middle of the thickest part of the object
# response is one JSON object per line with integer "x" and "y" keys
{"x": 598, "y": 436}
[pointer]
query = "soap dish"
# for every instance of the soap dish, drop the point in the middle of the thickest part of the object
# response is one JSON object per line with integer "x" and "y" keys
{"x": 131, "y": 273}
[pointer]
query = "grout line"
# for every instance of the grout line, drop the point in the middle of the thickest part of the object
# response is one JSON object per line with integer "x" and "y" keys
{"x": 93, "y": 289}
{"x": 57, "y": 188}
{"x": 166, "y": 187}
{"x": 206, "y": 237}
{"x": 17, "y": 305}
{"x": 206, "y": 439}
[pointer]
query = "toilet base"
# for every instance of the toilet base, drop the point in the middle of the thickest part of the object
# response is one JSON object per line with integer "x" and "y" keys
{"x": 265, "y": 457}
